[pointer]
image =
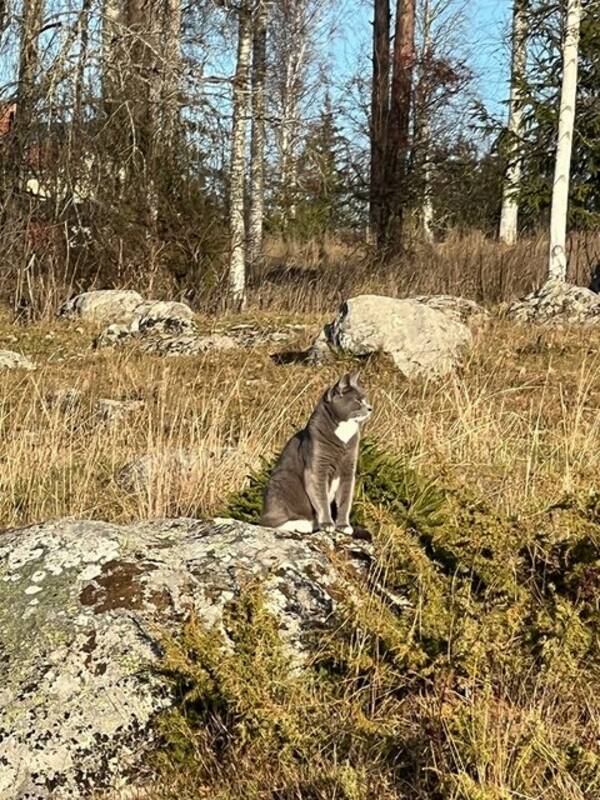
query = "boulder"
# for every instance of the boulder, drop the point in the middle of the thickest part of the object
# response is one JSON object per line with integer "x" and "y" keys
{"x": 163, "y": 309}
{"x": 419, "y": 339}
{"x": 557, "y": 303}
{"x": 82, "y": 607}
{"x": 12, "y": 360}
{"x": 104, "y": 305}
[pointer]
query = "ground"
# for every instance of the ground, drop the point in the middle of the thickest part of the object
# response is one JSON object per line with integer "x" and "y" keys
{"x": 484, "y": 688}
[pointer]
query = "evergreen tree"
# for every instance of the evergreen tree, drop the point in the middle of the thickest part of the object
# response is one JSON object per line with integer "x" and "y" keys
{"x": 323, "y": 193}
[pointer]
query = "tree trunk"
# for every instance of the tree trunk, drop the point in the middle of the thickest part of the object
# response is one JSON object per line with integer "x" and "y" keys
{"x": 241, "y": 98}
{"x": 510, "y": 201}
{"x": 560, "y": 194}
{"x": 399, "y": 120}
{"x": 379, "y": 116}
{"x": 84, "y": 37}
{"x": 33, "y": 16}
{"x": 172, "y": 70}
{"x": 425, "y": 129}
{"x": 257, "y": 149}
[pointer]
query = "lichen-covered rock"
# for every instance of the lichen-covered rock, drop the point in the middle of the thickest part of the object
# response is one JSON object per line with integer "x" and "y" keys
{"x": 104, "y": 305}
{"x": 420, "y": 340}
{"x": 163, "y": 309}
{"x": 557, "y": 303}
{"x": 12, "y": 360}
{"x": 163, "y": 336}
{"x": 82, "y": 605}
{"x": 459, "y": 308}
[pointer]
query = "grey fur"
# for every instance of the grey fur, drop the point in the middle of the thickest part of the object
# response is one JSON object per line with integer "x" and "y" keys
{"x": 302, "y": 487}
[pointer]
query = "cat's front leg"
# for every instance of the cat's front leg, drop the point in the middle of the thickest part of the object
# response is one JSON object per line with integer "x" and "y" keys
{"x": 316, "y": 489}
{"x": 345, "y": 492}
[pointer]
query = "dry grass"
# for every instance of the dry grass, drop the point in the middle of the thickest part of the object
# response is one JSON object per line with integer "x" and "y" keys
{"x": 317, "y": 275}
{"x": 520, "y": 423}
{"x": 312, "y": 276}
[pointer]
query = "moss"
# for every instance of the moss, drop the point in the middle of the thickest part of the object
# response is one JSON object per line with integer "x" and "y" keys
{"x": 457, "y": 691}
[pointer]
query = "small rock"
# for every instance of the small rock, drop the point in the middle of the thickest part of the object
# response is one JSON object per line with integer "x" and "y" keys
{"x": 111, "y": 411}
{"x": 12, "y": 360}
{"x": 190, "y": 345}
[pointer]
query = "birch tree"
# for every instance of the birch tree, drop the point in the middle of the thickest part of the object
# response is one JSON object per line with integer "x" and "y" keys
{"x": 297, "y": 39}
{"x": 512, "y": 182}
{"x": 241, "y": 107}
{"x": 557, "y": 269}
{"x": 257, "y": 147}
{"x": 425, "y": 128}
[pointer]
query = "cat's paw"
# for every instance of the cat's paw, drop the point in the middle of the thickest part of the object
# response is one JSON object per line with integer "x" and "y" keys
{"x": 326, "y": 527}
{"x": 348, "y": 529}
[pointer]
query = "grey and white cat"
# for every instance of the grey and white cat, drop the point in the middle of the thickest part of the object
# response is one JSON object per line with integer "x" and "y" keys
{"x": 313, "y": 480}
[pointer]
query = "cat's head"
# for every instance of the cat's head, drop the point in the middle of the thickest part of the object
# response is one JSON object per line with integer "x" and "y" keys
{"x": 348, "y": 400}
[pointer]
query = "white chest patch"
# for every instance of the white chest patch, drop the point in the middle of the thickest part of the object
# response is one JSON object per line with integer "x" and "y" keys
{"x": 333, "y": 487}
{"x": 346, "y": 430}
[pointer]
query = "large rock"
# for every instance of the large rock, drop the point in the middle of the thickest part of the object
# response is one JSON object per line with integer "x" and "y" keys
{"x": 557, "y": 302}
{"x": 12, "y": 360}
{"x": 81, "y": 607}
{"x": 104, "y": 305}
{"x": 419, "y": 339}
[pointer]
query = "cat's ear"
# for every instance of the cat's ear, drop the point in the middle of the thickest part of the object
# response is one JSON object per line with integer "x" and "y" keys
{"x": 353, "y": 380}
{"x": 344, "y": 383}
{"x": 337, "y": 388}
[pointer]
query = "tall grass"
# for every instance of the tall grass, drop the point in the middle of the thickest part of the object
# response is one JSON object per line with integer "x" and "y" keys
{"x": 298, "y": 276}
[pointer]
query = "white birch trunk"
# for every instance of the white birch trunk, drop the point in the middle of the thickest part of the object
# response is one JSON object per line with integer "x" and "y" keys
{"x": 241, "y": 102}
{"x": 509, "y": 217}
{"x": 427, "y": 207}
{"x": 557, "y": 269}
{"x": 257, "y": 149}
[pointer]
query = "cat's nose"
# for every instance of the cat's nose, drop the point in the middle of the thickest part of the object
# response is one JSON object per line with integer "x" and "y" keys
{"x": 369, "y": 407}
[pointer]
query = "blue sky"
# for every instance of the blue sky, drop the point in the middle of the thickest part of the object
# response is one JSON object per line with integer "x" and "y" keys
{"x": 483, "y": 37}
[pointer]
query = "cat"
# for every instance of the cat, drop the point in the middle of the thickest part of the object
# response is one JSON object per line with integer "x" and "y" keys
{"x": 313, "y": 479}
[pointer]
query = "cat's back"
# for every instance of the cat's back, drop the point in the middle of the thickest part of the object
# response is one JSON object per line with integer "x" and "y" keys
{"x": 292, "y": 455}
